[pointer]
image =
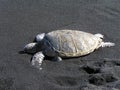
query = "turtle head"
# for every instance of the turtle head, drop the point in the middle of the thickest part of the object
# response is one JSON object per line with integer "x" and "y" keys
{"x": 35, "y": 46}
{"x": 30, "y": 48}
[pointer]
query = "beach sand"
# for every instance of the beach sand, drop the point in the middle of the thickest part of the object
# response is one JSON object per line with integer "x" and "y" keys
{"x": 22, "y": 20}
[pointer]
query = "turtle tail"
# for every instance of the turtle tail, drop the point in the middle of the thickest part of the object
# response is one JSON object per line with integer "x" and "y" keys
{"x": 107, "y": 44}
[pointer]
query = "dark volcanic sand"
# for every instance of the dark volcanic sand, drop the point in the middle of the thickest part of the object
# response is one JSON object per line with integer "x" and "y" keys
{"x": 22, "y": 20}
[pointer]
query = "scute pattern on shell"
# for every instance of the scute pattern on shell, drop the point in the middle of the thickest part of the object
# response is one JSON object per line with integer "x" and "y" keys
{"x": 71, "y": 43}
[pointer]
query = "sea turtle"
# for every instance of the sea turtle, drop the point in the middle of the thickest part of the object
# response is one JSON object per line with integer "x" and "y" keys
{"x": 64, "y": 43}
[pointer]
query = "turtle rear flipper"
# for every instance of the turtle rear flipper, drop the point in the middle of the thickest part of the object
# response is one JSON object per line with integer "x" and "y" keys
{"x": 107, "y": 44}
{"x": 99, "y": 35}
{"x": 57, "y": 58}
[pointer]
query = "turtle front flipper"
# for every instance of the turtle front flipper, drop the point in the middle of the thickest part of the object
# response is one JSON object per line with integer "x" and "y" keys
{"x": 37, "y": 60}
{"x": 39, "y": 37}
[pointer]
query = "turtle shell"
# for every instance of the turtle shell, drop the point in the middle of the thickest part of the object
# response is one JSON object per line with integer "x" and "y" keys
{"x": 73, "y": 43}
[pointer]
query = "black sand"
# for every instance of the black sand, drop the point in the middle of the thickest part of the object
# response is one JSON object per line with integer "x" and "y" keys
{"x": 22, "y": 20}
